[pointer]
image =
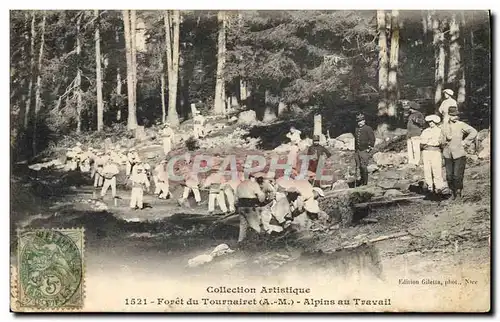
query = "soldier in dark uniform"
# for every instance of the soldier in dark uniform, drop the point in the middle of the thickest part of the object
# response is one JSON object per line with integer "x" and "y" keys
{"x": 364, "y": 143}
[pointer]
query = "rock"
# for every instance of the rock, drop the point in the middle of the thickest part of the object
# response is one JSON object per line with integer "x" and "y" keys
{"x": 378, "y": 141}
{"x": 485, "y": 149}
{"x": 403, "y": 185}
{"x": 140, "y": 134}
{"x": 200, "y": 260}
{"x": 372, "y": 168}
{"x": 386, "y": 184}
{"x": 391, "y": 193}
{"x": 339, "y": 185}
{"x": 391, "y": 174}
{"x": 233, "y": 119}
{"x": 472, "y": 158}
{"x": 220, "y": 250}
{"x": 345, "y": 137}
{"x": 482, "y": 135}
{"x": 444, "y": 234}
{"x": 348, "y": 140}
{"x": 247, "y": 117}
{"x": 389, "y": 158}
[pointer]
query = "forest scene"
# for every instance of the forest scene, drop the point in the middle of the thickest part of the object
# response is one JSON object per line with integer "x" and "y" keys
{"x": 382, "y": 118}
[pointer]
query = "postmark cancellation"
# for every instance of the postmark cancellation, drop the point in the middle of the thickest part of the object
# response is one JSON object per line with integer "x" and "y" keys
{"x": 49, "y": 273}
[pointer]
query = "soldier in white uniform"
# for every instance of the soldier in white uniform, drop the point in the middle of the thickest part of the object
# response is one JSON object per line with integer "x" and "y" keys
{"x": 140, "y": 183}
{"x": 431, "y": 141}
{"x": 160, "y": 177}
{"x": 132, "y": 159}
{"x": 294, "y": 136}
{"x": 109, "y": 172}
{"x": 446, "y": 104}
{"x": 99, "y": 163}
{"x": 191, "y": 183}
{"x": 216, "y": 183}
{"x": 168, "y": 138}
{"x": 198, "y": 123}
{"x": 230, "y": 191}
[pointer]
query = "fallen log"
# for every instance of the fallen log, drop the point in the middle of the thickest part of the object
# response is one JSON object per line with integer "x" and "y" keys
{"x": 371, "y": 241}
{"x": 386, "y": 201}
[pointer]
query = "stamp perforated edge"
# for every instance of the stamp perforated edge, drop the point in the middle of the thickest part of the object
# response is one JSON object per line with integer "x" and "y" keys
{"x": 14, "y": 288}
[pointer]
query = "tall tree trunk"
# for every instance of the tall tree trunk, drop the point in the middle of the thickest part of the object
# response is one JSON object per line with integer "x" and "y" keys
{"x": 163, "y": 107}
{"x": 78, "y": 81}
{"x": 243, "y": 82}
{"x": 38, "y": 94}
{"x": 393, "y": 67}
{"x": 440, "y": 56}
{"x": 132, "y": 115}
{"x": 32, "y": 71}
{"x": 133, "y": 32}
{"x": 100, "y": 103}
{"x": 458, "y": 57}
{"x": 454, "y": 54}
{"x": 172, "y": 20}
{"x": 220, "y": 95}
{"x": 383, "y": 63}
{"x": 118, "y": 85}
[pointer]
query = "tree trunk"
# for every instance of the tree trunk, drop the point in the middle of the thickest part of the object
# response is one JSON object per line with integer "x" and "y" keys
{"x": 38, "y": 98}
{"x": 219, "y": 101}
{"x": 32, "y": 71}
{"x": 118, "y": 86}
{"x": 133, "y": 31}
{"x": 132, "y": 115}
{"x": 78, "y": 81}
{"x": 243, "y": 82}
{"x": 454, "y": 55}
{"x": 383, "y": 63}
{"x": 440, "y": 57}
{"x": 163, "y": 109}
{"x": 100, "y": 103}
{"x": 394, "y": 61}
{"x": 462, "y": 62}
{"x": 172, "y": 21}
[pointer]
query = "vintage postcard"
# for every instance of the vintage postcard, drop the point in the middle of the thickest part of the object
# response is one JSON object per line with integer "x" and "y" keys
{"x": 250, "y": 161}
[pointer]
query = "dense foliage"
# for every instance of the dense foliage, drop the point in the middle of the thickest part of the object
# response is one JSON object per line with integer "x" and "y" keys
{"x": 301, "y": 59}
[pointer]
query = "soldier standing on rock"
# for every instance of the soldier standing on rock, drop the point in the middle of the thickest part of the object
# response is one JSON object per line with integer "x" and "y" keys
{"x": 364, "y": 140}
{"x": 454, "y": 152}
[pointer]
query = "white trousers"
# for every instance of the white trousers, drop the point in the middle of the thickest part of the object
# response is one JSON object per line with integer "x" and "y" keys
{"x": 136, "y": 197}
{"x": 198, "y": 131}
{"x": 167, "y": 145}
{"x": 219, "y": 196}
{"x": 109, "y": 183}
{"x": 433, "y": 169}
{"x": 230, "y": 199}
{"x": 196, "y": 193}
{"x": 161, "y": 188}
{"x": 413, "y": 145}
{"x": 98, "y": 180}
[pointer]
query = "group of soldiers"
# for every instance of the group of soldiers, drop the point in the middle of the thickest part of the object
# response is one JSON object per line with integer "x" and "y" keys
{"x": 446, "y": 137}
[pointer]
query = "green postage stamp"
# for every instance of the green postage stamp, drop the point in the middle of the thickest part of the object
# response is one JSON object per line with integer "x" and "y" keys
{"x": 50, "y": 269}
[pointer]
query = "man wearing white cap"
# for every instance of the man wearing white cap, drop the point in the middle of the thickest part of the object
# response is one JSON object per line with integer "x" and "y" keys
{"x": 99, "y": 162}
{"x": 139, "y": 183}
{"x": 454, "y": 150}
{"x": 294, "y": 136}
{"x": 109, "y": 172}
{"x": 168, "y": 138}
{"x": 446, "y": 104}
{"x": 414, "y": 126}
{"x": 215, "y": 182}
{"x": 132, "y": 159}
{"x": 198, "y": 123}
{"x": 160, "y": 177}
{"x": 191, "y": 183}
{"x": 431, "y": 140}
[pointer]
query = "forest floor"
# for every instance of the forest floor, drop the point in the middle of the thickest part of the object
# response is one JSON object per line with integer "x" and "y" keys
{"x": 446, "y": 239}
